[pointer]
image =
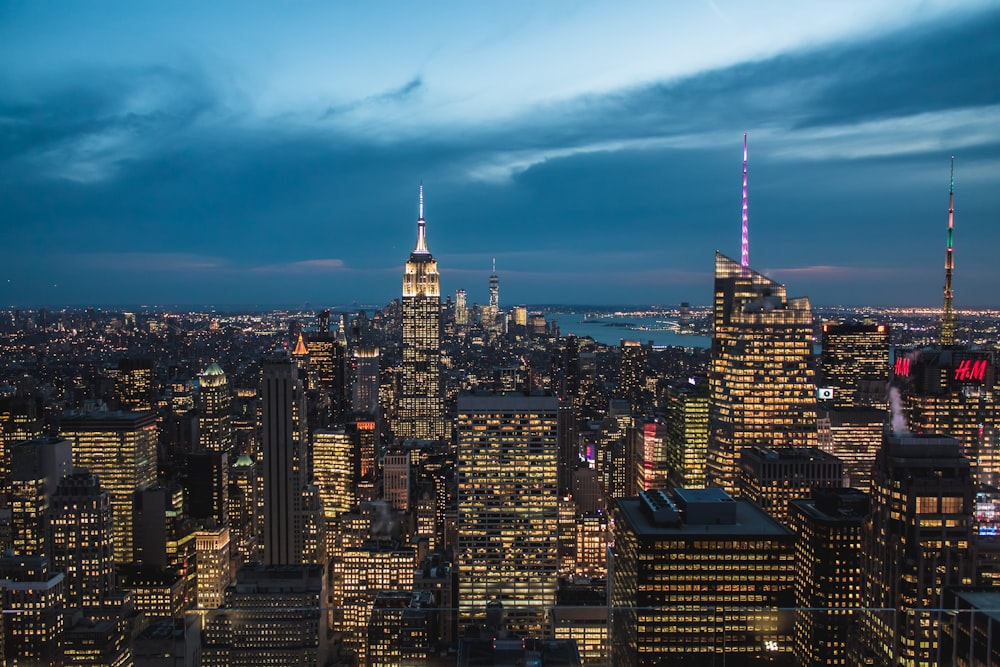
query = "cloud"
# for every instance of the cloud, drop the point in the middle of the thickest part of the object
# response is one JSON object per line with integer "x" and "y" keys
{"x": 306, "y": 266}
{"x": 147, "y": 262}
{"x": 404, "y": 93}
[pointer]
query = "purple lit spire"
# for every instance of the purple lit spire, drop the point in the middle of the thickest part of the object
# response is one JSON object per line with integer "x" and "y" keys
{"x": 745, "y": 251}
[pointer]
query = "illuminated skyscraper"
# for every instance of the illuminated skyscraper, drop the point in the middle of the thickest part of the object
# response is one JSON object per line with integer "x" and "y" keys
{"x": 507, "y": 507}
{"x": 82, "y": 538}
{"x": 686, "y": 418}
{"x": 855, "y": 364}
{"x": 915, "y": 544}
{"x": 827, "y": 573}
{"x": 420, "y": 412}
{"x": 283, "y": 459}
{"x": 328, "y": 369}
{"x": 215, "y": 430}
{"x": 336, "y": 460}
{"x": 491, "y": 314}
{"x": 954, "y": 390}
{"x": 772, "y": 477}
{"x": 461, "y": 308}
{"x": 364, "y": 393}
{"x": 120, "y": 448}
{"x": 37, "y": 466}
{"x": 632, "y": 372}
{"x": 699, "y": 577}
{"x": 273, "y": 615}
{"x": 762, "y": 386}
{"x": 134, "y": 384}
{"x": 212, "y": 548}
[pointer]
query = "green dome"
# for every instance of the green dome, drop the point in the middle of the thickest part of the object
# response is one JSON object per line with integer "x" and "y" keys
{"x": 243, "y": 461}
{"x": 214, "y": 369}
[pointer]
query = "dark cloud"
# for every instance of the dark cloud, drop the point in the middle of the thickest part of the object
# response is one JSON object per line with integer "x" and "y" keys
{"x": 159, "y": 174}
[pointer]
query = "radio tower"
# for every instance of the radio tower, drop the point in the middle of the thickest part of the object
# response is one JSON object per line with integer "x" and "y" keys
{"x": 948, "y": 316}
{"x": 745, "y": 251}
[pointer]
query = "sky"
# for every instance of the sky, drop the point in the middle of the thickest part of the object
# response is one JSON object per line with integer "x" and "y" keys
{"x": 266, "y": 154}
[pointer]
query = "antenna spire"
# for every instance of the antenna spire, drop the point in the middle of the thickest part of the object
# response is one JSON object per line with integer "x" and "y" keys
{"x": 948, "y": 315}
{"x": 494, "y": 265}
{"x": 421, "y": 246}
{"x": 745, "y": 247}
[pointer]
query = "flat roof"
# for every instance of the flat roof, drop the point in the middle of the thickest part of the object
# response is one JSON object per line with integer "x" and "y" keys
{"x": 750, "y": 520}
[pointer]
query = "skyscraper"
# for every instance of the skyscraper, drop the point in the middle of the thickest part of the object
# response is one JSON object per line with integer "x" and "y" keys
{"x": 915, "y": 544}
{"x": 699, "y": 577}
{"x": 82, "y": 538}
{"x": 215, "y": 430}
{"x": 134, "y": 384}
{"x": 120, "y": 448}
{"x": 761, "y": 382}
{"x": 762, "y": 387}
{"x": 854, "y": 363}
{"x": 827, "y": 573}
{"x": 364, "y": 393}
{"x": 420, "y": 411}
{"x": 461, "y": 308}
{"x": 283, "y": 459}
{"x": 491, "y": 315}
{"x": 507, "y": 507}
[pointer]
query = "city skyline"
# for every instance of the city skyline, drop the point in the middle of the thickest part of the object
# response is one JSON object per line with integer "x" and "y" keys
{"x": 261, "y": 158}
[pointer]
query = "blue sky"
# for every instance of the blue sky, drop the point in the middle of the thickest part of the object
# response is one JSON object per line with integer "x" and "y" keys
{"x": 251, "y": 153}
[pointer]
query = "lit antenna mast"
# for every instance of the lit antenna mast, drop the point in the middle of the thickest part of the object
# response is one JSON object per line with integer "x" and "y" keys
{"x": 948, "y": 316}
{"x": 421, "y": 246}
{"x": 745, "y": 251}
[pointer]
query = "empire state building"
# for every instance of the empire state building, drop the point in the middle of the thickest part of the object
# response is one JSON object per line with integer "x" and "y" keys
{"x": 421, "y": 409}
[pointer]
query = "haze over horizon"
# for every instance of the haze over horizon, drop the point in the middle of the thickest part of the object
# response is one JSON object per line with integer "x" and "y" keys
{"x": 246, "y": 154}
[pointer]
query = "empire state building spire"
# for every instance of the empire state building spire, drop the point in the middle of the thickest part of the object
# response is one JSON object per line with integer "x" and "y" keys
{"x": 948, "y": 315}
{"x": 421, "y": 247}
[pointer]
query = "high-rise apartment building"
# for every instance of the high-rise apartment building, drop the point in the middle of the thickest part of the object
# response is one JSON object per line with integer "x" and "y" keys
{"x": 420, "y": 411}
{"x": 915, "y": 544}
{"x": 283, "y": 462}
{"x": 854, "y": 364}
{"x": 761, "y": 381}
{"x": 120, "y": 448}
{"x": 697, "y": 576}
{"x": 215, "y": 414}
{"x": 507, "y": 507}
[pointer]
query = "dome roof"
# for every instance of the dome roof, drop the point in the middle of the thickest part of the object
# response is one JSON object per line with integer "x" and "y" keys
{"x": 214, "y": 369}
{"x": 243, "y": 461}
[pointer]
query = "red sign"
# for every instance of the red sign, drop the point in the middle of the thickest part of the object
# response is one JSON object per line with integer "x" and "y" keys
{"x": 971, "y": 370}
{"x": 902, "y": 367}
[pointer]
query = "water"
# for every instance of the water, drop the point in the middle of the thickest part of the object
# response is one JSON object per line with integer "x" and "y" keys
{"x": 610, "y": 330}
